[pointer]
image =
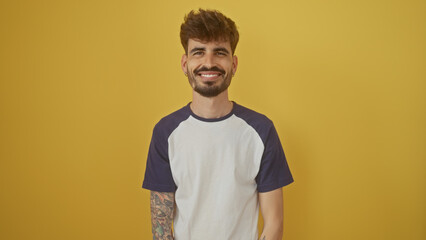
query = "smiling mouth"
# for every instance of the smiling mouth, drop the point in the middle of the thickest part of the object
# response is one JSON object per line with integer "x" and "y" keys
{"x": 209, "y": 76}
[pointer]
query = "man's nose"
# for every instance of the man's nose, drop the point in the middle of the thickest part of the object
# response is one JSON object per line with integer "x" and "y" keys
{"x": 209, "y": 60}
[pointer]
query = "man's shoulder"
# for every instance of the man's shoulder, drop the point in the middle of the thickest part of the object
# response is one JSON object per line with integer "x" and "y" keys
{"x": 251, "y": 116}
{"x": 167, "y": 124}
{"x": 258, "y": 121}
{"x": 178, "y": 115}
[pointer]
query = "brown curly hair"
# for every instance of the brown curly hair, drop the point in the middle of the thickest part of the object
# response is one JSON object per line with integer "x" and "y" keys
{"x": 208, "y": 25}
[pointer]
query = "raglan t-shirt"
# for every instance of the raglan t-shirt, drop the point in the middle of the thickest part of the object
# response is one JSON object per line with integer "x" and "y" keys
{"x": 216, "y": 167}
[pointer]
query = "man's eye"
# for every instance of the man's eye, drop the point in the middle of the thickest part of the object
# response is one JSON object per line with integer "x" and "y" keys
{"x": 221, "y": 53}
{"x": 198, "y": 53}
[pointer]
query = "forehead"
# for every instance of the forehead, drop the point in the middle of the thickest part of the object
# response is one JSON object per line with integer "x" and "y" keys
{"x": 196, "y": 43}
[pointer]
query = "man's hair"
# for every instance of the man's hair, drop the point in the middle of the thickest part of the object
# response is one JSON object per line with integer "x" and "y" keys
{"x": 208, "y": 25}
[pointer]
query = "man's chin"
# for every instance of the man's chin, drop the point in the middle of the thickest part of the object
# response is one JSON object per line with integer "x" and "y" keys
{"x": 209, "y": 92}
{"x": 209, "y": 88}
{"x": 209, "y": 82}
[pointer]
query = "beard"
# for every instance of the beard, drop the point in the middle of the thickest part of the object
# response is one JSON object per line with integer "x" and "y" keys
{"x": 209, "y": 89}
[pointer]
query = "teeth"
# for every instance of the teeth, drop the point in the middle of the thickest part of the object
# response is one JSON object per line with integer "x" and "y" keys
{"x": 209, "y": 75}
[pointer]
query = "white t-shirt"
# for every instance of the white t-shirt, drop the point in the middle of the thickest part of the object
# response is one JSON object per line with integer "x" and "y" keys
{"x": 216, "y": 167}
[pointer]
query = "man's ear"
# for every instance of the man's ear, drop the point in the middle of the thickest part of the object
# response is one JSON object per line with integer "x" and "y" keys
{"x": 183, "y": 62}
{"x": 234, "y": 64}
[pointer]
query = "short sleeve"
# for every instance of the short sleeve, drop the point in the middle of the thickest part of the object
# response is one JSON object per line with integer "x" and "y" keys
{"x": 158, "y": 174}
{"x": 274, "y": 172}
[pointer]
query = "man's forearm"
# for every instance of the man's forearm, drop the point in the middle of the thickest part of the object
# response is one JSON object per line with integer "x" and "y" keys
{"x": 162, "y": 207}
{"x": 272, "y": 227}
{"x": 272, "y": 232}
{"x": 271, "y": 205}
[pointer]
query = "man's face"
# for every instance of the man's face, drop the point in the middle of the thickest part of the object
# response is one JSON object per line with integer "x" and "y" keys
{"x": 209, "y": 66}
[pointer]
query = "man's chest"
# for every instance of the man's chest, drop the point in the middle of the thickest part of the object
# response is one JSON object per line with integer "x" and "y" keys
{"x": 210, "y": 153}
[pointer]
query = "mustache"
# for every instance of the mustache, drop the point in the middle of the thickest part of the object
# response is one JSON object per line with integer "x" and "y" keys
{"x": 216, "y": 69}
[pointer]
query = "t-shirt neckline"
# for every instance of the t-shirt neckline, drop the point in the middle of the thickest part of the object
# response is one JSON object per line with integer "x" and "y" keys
{"x": 234, "y": 104}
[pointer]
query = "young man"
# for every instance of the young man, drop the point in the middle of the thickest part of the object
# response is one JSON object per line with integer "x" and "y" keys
{"x": 213, "y": 162}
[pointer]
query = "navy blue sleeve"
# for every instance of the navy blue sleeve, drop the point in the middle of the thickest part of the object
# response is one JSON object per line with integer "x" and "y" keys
{"x": 274, "y": 172}
{"x": 158, "y": 174}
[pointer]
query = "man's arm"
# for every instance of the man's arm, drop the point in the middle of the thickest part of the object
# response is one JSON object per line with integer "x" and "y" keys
{"x": 162, "y": 210}
{"x": 271, "y": 206}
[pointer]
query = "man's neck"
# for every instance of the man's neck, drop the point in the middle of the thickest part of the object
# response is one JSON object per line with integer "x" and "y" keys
{"x": 214, "y": 107}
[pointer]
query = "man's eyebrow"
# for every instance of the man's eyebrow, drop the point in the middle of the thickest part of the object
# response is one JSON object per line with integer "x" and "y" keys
{"x": 221, "y": 49}
{"x": 197, "y": 49}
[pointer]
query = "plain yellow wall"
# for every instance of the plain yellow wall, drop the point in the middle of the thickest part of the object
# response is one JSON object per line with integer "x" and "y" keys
{"x": 84, "y": 82}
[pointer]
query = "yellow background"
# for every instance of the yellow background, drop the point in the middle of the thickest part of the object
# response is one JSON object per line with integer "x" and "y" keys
{"x": 84, "y": 82}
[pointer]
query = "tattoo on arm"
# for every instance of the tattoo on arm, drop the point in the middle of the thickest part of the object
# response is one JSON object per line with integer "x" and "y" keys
{"x": 162, "y": 209}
